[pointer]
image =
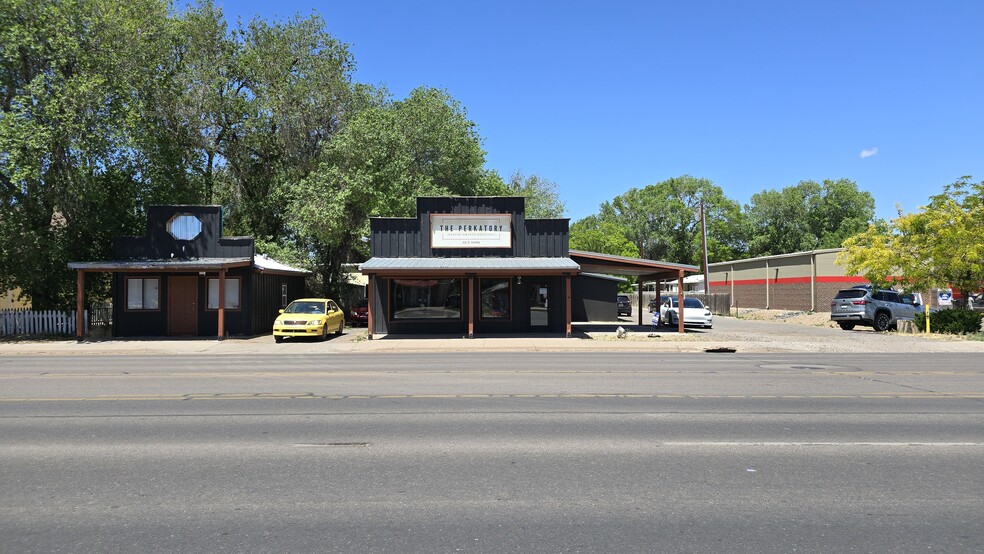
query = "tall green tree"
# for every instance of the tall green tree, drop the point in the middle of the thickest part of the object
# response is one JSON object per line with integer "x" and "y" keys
{"x": 807, "y": 216}
{"x": 71, "y": 77}
{"x": 542, "y": 198}
{"x": 297, "y": 90}
{"x": 244, "y": 113}
{"x": 663, "y": 220}
{"x": 377, "y": 164}
{"x": 591, "y": 234}
{"x": 940, "y": 246}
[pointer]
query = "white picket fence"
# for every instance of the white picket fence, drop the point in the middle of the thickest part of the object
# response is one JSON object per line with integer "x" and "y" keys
{"x": 44, "y": 322}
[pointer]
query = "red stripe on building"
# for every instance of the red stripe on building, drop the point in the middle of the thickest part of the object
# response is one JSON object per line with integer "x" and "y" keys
{"x": 791, "y": 281}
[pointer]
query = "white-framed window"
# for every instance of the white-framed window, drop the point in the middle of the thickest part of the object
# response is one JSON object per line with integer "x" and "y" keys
{"x": 231, "y": 293}
{"x": 143, "y": 293}
{"x": 184, "y": 226}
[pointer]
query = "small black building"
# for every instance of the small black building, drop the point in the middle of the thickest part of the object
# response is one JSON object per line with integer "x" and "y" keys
{"x": 185, "y": 278}
{"x": 467, "y": 265}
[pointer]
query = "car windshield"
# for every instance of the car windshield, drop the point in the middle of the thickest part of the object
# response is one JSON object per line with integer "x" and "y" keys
{"x": 305, "y": 307}
{"x": 623, "y": 298}
{"x": 363, "y": 303}
{"x": 687, "y": 303}
{"x": 851, "y": 293}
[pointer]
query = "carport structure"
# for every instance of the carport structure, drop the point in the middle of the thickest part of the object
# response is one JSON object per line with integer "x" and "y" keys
{"x": 644, "y": 270}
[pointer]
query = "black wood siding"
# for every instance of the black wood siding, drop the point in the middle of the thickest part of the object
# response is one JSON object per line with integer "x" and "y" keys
{"x": 160, "y": 245}
{"x": 593, "y": 299}
{"x": 410, "y": 237}
{"x": 267, "y": 298}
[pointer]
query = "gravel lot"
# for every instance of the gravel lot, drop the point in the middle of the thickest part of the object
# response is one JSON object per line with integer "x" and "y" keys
{"x": 786, "y": 331}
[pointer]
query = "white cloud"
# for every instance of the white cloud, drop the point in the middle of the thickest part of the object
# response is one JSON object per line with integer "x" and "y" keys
{"x": 869, "y": 152}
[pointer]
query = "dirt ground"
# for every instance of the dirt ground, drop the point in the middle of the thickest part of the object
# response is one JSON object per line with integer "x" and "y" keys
{"x": 813, "y": 319}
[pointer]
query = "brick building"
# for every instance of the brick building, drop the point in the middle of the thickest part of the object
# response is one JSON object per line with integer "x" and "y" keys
{"x": 804, "y": 281}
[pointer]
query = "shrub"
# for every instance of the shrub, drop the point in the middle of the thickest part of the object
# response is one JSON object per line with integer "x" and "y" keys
{"x": 957, "y": 322}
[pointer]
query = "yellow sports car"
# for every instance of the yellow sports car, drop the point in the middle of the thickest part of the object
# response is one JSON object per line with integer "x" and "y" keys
{"x": 309, "y": 317}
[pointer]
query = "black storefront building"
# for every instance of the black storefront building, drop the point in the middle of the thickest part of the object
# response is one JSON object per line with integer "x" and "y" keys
{"x": 183, "y": 278}
{"x": 477, "y": 265}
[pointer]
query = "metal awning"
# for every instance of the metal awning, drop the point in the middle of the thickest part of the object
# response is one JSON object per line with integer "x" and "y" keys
{"x": 191, "y": 264}
{"x": 646, "y": 270}
{"x": 478, "y": 266}
{"x": 260, "y": 263}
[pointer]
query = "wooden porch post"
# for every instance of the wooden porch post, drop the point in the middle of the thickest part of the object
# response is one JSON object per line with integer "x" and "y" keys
{"x": 371, "y": 309}
{"x": 640, "y": 283}
{"x": 222, "y": 277}
{"x": 80, "y": 307}
{"x": 680, "y": 301}
{"x": 567, "y": 287}
{"x": 471, "y": 306}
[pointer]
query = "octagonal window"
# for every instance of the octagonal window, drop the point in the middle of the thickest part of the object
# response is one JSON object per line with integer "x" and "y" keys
{"x": 184, "y": 226}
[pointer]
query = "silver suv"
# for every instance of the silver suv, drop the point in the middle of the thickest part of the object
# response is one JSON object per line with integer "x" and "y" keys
{"x": 880, "y": 309}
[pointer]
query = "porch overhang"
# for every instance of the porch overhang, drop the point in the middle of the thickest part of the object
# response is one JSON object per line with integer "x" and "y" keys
{"x": 483, "y": 267}
{"x": 218, "y": 266}
{"x": 645, "y": 270}
{"x": 162, "y": 266}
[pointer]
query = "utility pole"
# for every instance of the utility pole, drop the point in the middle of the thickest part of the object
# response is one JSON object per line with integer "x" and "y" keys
{"x": 703, "y": 242}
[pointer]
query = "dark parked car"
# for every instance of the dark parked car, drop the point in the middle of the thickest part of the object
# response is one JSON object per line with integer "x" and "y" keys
{"x": 624, "y": 306}
{"x": 655, "y": 303}
{"x": 360, "y": 313}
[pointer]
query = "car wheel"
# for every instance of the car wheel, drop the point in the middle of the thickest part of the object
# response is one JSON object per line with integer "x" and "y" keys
{"x": 278, "y": 339}
{"x": 341, "y": 327}
{"x": 324, "y": 332}
{"x": 882, "y": 320}
{"x": 847, "y": 326}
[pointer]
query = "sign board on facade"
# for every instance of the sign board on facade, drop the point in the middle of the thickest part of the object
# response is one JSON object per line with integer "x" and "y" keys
{"x": 471, "y": 231}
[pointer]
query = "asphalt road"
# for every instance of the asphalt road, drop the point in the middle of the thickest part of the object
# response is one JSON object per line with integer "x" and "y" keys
{"x": 492, "y": 452}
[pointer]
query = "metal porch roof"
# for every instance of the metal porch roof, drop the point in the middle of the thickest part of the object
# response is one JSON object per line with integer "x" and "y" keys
{"x": 460, "y": 265}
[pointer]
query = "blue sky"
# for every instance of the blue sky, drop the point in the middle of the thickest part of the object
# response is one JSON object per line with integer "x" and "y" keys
{"x": 600, "y": 97}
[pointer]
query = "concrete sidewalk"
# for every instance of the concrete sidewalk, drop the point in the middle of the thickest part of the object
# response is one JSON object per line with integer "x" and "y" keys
{"x": 635, "y": 342}
{"x": 729, "y": 333}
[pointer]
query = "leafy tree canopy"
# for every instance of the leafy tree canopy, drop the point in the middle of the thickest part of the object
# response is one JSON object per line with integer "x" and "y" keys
{"x": 593, "y": 235}
{"x": 663, "y": 220}
{"x": 940, "y": 246}
{"x": 542, "y": 197}
{"x": 71, "y": 76}
{"x": 111, "y": 105}
{"x": 807, "y": 216}
{"x": 378, "y": 163}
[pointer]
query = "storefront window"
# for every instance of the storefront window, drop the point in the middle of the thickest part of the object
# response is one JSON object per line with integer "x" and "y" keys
{"x": 495, "y": 298}
{"x": 142, "y": 294}
{"x": 426, "y": 299}
{"x": 231, "y": 294}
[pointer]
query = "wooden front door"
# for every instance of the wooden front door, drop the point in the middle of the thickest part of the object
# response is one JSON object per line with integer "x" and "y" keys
{"x": 182, "y": 305}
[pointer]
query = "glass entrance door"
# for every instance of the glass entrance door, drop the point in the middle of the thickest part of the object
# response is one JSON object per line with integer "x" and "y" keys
{"x": 539, "y": 312}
